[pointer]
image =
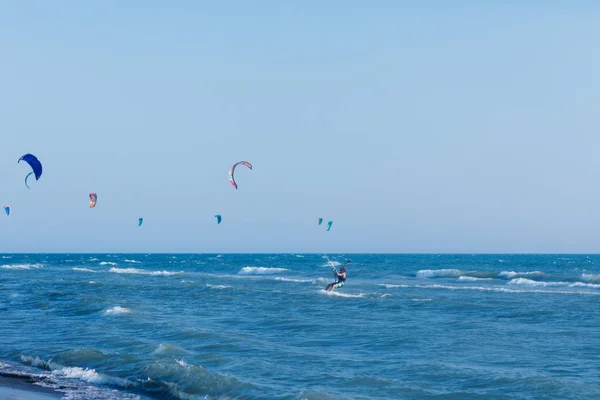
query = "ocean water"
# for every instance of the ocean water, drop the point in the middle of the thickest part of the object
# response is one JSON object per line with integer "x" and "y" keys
{"x": 248, "y": 326}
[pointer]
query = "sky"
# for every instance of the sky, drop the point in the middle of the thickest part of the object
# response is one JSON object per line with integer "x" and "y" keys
{"x": 443, "y": 127}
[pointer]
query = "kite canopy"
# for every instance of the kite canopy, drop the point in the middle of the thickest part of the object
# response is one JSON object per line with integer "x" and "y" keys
{"x": 320, "y": 221}
{"x": 93, "y": 199}
{"x": 140, "y": 220}
{"x": 232, "y": 170}
{"x": 7, "y": 210}
{"x": 218, "y": 217}
{"x": 35, "y": 165}
{"x": 329, "y": 225}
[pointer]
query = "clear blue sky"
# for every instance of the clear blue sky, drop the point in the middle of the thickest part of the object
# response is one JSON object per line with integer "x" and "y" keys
{"x": 416, "y": 127}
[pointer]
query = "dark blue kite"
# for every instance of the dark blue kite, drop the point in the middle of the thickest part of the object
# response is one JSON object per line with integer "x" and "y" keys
{"x": 35, "y": 165}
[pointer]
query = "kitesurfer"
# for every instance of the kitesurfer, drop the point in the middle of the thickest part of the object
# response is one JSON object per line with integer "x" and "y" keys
{"x": 341, "y": 278}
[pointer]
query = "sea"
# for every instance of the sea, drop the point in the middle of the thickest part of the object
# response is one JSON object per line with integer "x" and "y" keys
{"x": 261, "y": 326}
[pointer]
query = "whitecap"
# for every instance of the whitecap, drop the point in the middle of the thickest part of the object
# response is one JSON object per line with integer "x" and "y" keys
{"x": 118, "y": 310}
{"x": 503, "y": 289}
{"x": 279, "y": 278}
{"x": 217, "y": 286}
{"x": 392, "y": 286}
{"x": 514, "y": 274}
{"x": 434, "y": 273}
{"x": 108, "y": 263}
{"x": 21, "y": 266}
{"x": 133, "y": 261}
{"x": 143, "y": 271}
{"x": 341, "y": 294}
{"x": 472, "y": 278}
{"x": 260, "y": 270}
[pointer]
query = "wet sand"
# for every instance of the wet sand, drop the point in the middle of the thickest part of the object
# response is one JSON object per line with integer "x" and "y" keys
{"x": 21, "y": 389}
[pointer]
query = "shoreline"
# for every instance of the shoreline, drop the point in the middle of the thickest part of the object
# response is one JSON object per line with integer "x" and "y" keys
{"x": 22, "y": 389}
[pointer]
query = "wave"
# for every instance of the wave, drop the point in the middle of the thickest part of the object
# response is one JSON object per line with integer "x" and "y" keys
{"x": 279, "y": 278}
{"x": 453, "y": 273}
{"x": 529, "y": 282}
{"x": 392, "y": 286}
{"x": 169, "y": 349}
{"x": 473, "y": 278}
{"x": 22, "y": 266}
{"x": 83, "y": 269}
{"x": 260, "y": 270}
{"x": 217, "y": 286}
{"x": 70, "y": 380}
{"x": 514, "y": 274}
{"x": 435, "y": 273}
{"x": 591, "y": 277}
{"x": 133, "y": 261}
{"x": 144, "y": 271}
{"x": 480, "y": 275}
{"x": 108, "y": 263}
{"x": 118, "y": 310}
{"x": 503, "y": 289}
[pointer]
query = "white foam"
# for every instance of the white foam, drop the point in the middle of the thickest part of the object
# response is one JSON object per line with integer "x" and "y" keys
{"x": 503, "y": 289}
{"x": 279, "y": 278}
{"x": 217, "y": 286}
{"x": 529, "y": 282}
{"x": 587, "y": 285}
{"x": 143, "y": 271}
{"x": 341, "y": 294}
{"x": 514, "y": 274}
{"x": 108, "y": 263}
{"x": 260, "y": 270}
{"x": 21, "y": 266}
{"x": 93, "y": 259}
{"x": 133, "y": 261}
{"x": 83, "y": 269}
{"x": 472, "y": 278}
{"x": 182, "y": 363}
{"x": 434, "y": 273}
{"x": 85, "y": 374}
{"x": 421, "y": 300}
{"x": 391, "y": 286}
{"x": 117, "y": 311}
